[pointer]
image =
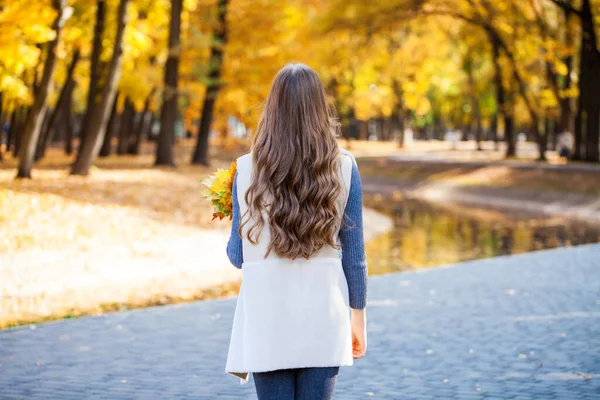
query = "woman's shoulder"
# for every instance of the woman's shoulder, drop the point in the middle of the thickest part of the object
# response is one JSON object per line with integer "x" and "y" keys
{"x": 346, "y": 153}
{"x": 244, "y": 157}
{"x": 244, "y": 161}
{"x": 347, "y": 158}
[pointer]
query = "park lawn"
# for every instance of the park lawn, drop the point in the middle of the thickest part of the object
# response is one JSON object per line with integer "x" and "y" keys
{"x": 124, "y": 198}
{"x": 500, "y": 176}
{"x": 127, "y": 212}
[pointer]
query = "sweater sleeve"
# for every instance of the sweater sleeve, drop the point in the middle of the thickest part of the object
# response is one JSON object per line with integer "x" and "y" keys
{"x": 354, "y": 260}
{"x": 234, "y": 245}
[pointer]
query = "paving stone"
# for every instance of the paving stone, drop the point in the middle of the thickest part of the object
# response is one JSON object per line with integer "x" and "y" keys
{"x": 520, "y": 327}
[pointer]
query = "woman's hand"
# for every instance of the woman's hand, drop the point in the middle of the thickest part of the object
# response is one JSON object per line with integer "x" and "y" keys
{"x": 358, "y": 322}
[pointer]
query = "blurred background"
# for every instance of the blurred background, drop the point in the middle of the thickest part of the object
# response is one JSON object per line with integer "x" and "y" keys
{"x": 475, "y": 123}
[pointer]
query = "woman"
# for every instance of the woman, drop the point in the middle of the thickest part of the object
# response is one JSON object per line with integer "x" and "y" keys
{"x": 297, "y": 236}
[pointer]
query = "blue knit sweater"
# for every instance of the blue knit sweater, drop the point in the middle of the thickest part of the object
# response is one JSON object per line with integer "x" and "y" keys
{"x": 351, "y": 237}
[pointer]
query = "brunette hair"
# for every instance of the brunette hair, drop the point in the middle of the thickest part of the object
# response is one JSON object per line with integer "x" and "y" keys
{"x": 296, "y": 158}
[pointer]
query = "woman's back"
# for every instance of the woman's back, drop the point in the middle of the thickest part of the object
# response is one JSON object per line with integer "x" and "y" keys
{"x": 257, "y": 251}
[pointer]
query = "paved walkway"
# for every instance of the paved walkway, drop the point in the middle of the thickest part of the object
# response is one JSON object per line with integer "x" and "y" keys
{"x": 521, "y": 327}
{"x": 458, "y": 158}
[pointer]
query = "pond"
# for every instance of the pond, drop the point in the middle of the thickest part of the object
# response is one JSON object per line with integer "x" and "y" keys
{"x": 427, "y": 235}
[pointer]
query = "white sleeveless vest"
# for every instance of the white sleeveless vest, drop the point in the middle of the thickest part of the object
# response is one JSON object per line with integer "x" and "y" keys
{"x": 289, "y": 313}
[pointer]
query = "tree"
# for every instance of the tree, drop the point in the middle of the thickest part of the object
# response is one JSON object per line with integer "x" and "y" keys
{"x": 2, "y": 117}
{"x": 504, "y": 107}
{"x": 106, "y": 148}
{"x": 90, "y": 147}
{"x": 213, "y": 85}
{"x": 587, "y": 123}
{"x": 126, "y": 127}
{"x": 168, "y": 118}
{"x": 36, "y": 114}
{"x": 68, "y": 121}
{"x": 61, "y": 106}
{"x": 136, "y": 140}
{"x": 94, "y": 67}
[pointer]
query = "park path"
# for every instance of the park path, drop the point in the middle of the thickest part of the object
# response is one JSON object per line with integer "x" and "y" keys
{"x": 563, "y": 204}
{"x": 518, "y": 327}
{"x": 475, "y": 159}
{"x": 580, "y": 206}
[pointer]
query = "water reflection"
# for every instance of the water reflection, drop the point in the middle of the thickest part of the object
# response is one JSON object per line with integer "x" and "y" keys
{"x": 426, "y": 235}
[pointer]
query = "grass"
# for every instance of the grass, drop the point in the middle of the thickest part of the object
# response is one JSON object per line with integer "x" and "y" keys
{"x": 124, "y": 198}
{"x": 126, "y": 208}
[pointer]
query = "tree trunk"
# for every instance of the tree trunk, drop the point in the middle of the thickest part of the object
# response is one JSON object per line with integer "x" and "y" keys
{"x": 589, "y": 85}
{"x": 566, "y": 113}
{"x": 94, "y": 68}
{"x": 212, "y": 89}
{"x": 543, "y": 140}
{"x": 468, "y": 67}
{"x": 384, "y": 124}
{"x": 148, "y": 130}
{"x": 125, "y": 127}
{"x": 31, "y": 132}
{"x": 2, "y": 121}
{"x": 522, "y": 90}
{"x": 494, "y": 131}
{"x": 42, "y": 140}
{"x": 12, "y": 132}
{"x": 34, "y": 71}
{"x": 106, "y": 149}
{"x": 398, "y": 115}
{"x": 401, "y": 121}
{"x": 503, "y": 108}
{"x": 93, "y": 140}
{"x": 168, "y": 116}
{"x": 46, "y": 130}
{"x": 68, "y": 118}
{"x": 592, "y": 152}
{"x": 24, "y": 112}
{"x": 579, "y": 145}
{"x": 439, "y": 127}
{"x": 555, "y": 133}
{"x": 56, "y": 116}
{"x": 364, "y": 130}
{"x": 134, "y": 145}
{"x": 130, "y": 136}
{"x": 478, "y": 125}
{"x": 588, "y": 110}
{"x": 509, "y": 136}
{"x": 8, "y": 136}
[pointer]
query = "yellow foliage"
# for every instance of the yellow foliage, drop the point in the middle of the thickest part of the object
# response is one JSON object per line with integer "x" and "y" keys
{"x": 220, "y": 186}
{"x": 373, "y": 57}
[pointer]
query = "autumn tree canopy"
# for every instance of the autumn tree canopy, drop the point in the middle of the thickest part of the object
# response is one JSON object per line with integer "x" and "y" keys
{"x": 88, "y": 73}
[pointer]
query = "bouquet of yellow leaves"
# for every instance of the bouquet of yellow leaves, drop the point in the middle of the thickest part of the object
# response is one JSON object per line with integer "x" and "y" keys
{"x": 219, "y": 191}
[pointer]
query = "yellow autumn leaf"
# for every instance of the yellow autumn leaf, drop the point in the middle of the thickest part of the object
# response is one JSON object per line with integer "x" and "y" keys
{"x": 219, "y": 186}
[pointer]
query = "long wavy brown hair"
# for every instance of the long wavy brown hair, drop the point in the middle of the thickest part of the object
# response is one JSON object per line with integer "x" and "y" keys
{"x": 295, "y": 182}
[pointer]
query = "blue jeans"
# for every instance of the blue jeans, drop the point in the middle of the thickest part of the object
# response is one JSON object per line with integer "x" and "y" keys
{"x": 296, "y": 383}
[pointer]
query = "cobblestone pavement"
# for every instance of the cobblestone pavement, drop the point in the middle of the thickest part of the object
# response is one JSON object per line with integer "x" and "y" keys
{"x": 521, "y": 327}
